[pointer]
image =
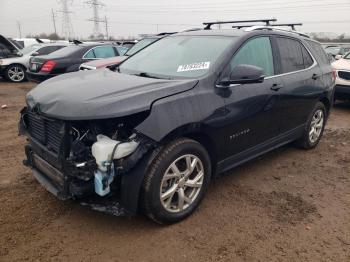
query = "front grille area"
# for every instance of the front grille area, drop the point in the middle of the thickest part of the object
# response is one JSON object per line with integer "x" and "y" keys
{"x": 344, "y": 75}
{"x": 48, "y": 132}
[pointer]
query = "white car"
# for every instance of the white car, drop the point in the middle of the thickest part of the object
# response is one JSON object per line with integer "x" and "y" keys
{"x": 342, "y": 67}
{"x": 14, "y": 63}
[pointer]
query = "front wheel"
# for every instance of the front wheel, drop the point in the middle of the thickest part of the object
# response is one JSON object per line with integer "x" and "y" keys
{"x": 314, "y": 128}
{"x": 15, "y": 73}
{"x": 176, "y": 181}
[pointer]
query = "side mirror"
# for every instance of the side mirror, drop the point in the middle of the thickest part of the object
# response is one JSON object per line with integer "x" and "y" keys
{"x": 244, "y": 74}
{"x": 34, "y": 54}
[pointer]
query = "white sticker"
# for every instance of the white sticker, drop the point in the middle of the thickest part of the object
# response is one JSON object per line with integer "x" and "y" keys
{"x": 194, "y": 66}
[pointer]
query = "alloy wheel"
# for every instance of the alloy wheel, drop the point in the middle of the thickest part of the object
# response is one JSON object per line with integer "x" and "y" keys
{"x": 181, "y": 183}
{"x": 16, "y": 74}
{"x": 316, "y": 126}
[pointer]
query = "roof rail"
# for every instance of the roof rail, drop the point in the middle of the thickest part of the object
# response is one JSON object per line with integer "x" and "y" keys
{"x": 266, "y": 21}
{"x": 254, "y": 28}
{"x": 291, "y": 25}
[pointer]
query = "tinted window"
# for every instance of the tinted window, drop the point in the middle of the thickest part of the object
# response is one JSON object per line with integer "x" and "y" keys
{"x": 48, "y": 49}
{"x": 256, "y": 52}
{"x": 90, "y": 54}
{"x": 104, "y": 51}
{"x": 307, "y": 57}
{"x": 318, "y": 52}
{"x": 67, "y": 51}
{"x": 291, "y": 55}
{"x": 121, "y": 49}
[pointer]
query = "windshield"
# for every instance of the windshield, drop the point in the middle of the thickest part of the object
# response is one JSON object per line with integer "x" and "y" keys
{"x": 29, "y": 49}
{"x": 178, "y": 56}
{"x": 140, "y": 45}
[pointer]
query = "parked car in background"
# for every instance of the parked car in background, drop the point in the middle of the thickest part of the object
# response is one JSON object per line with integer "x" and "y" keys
{"x": 69, "y": 59}
{"x": 14, "y": 68}
{"x": 113, "y": 61}
{"x": 8, "y": 48}
{"x": 337, "y": 51}
{"x": 153, "y": 134}
{"x": 342, "y": 87}
{"x": 24, "y": 42}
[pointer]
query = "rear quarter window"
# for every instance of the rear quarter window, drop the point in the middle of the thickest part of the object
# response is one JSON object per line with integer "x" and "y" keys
{"x": 291, "y": 54}
{"x": 318, "y": 52}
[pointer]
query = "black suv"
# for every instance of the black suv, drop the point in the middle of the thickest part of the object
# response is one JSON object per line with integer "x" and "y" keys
{"x": 152, "y": 134}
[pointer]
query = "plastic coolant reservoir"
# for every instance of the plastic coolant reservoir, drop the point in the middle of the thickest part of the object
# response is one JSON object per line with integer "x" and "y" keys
{"x": 102, "y": 151}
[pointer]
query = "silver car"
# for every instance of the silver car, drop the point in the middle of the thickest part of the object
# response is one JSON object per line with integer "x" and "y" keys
{"x": 13, "y": 66}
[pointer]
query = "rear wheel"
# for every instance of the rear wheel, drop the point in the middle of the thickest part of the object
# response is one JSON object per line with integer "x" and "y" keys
{"x": 176, "y": 182}
{"x": 15, "y": 73}
{"x": 314, "y": 128}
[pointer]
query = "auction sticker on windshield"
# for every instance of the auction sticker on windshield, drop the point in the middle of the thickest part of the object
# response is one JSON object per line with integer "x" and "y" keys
{"x": 194, "y": 66}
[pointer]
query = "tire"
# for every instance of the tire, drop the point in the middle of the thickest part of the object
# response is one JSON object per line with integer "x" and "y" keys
{"x": 15, "y": 73}
{"x": 182, "y": 187}
{"x": 307, "y": 141}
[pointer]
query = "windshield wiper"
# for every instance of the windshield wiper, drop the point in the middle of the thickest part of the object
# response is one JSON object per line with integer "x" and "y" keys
{"x": 144, "y": 74}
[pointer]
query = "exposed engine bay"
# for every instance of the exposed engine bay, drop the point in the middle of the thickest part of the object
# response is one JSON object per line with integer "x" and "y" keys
{"x": 83, "y": 158}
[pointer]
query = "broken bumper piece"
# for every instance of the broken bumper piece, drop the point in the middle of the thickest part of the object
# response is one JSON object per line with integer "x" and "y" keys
{"x": 60, "y": 186}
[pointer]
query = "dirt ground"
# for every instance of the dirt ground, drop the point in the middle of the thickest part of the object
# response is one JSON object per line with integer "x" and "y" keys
{"x": 289, "y": 205}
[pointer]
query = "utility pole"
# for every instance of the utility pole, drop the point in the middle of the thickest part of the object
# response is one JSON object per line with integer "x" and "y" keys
{"x": 106, "y": 27}
{"x": 19, "y": 29}
{"x": 67, "y": 27}
{"x": 95, "y": 5}
{"x": 54, "y": 21}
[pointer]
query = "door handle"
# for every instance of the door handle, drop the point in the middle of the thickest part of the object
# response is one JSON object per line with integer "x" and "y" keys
{"x": 276, "y": 87}
{"x": 315, "y": 76}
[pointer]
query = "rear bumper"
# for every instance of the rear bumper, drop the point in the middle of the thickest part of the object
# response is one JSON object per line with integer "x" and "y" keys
{"x": 39, "y": 77}
{"x": 342, "y": 92}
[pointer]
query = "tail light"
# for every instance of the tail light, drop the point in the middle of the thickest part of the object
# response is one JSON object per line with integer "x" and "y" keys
{"x": 48, "y": 66}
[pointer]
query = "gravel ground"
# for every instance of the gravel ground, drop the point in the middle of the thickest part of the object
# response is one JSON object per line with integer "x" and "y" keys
{"x": 289, "y": 205}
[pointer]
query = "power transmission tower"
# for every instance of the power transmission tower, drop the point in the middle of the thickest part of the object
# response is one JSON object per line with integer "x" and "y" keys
{"x": 19, "y": 29}
{"x": 67, "y": 27}
{"x": 96, "y": 4}
{"x": 54, "y": 21}
{"x": 106, "y": 27}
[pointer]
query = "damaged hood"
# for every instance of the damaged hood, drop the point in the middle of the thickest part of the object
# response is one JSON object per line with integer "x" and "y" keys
{"x": 99, "y": 94}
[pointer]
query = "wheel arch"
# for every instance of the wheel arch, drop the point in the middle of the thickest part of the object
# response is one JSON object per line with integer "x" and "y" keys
{"x": 327, "y": 103}
{"x": 196, "y": 133}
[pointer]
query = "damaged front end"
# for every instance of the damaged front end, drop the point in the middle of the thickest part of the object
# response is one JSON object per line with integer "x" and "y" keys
{"x": 99, "y": 163}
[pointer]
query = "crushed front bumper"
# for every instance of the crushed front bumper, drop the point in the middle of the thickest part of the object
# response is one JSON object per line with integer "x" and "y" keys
{"x": 57, "y": 183}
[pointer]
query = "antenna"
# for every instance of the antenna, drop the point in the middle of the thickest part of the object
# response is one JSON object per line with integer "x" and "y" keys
{"x": 96, "y": 4}
{"x": 67, "y": 27}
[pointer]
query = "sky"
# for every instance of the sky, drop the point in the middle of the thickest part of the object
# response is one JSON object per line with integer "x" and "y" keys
{"x": 133, "y": 17}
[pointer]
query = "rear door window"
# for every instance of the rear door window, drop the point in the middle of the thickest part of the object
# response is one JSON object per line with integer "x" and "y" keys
{"x": 256, "y": 52}
{"x": 104, "y": 51}
{"x": 291, "y": 55}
